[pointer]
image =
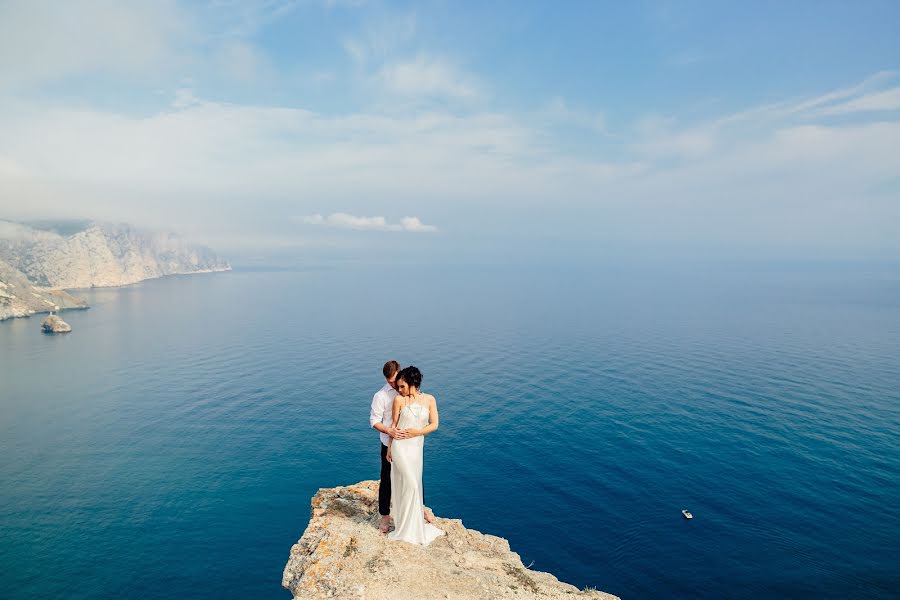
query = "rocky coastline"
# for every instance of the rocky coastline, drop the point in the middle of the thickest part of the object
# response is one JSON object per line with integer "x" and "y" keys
{"x": 40, "y": 262}
{"x": 342, "y": 554}
{"x": 19, "y": 298}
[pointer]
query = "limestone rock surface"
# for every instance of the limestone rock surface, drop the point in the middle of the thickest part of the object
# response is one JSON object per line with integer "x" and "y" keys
{"x": 19, "y": 298}
{"x": 342, "y": 554}
{"x": 69, "y": 255}
{"x": 53, "y": 324}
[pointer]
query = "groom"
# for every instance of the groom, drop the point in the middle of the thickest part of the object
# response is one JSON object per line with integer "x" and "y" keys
{"x": 381, "y": 418}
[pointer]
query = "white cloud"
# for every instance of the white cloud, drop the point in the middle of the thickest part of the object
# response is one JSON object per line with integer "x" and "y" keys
{"x": 345, "y": 3}
{"x": 379, "y": 40}
{"x": 347, "y": 221}
{"x": 10, "y": 169}
{"x": 559, "y": 110}
{"x": 243, "y": 62}
{"x": 42, "y": 41}
{"x": 16, "y": 232}
{"x": 311, "y": 219}
{"x": 427, "y": 76}
{"x": 768, "y": 172}
{"x": 185, "y": 98}
{"x": 659, "y": 137}
{"x": 414, "y": 224}
{"x": 204, "y": 147}
{"x": 242, "y": 18}
{"x": 355, "y": 49}
{"x": 887, "y": 100}
{"x": 814, "y": 106}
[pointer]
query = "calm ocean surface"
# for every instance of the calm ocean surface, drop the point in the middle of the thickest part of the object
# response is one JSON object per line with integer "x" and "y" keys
{"x": 169, "y": 446}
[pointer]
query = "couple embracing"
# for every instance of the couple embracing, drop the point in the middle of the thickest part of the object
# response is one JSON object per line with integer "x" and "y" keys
{"x": 404, "y": 416}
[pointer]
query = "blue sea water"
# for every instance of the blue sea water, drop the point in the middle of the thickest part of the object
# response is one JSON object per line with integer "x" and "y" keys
{"x": 169, "y": 446}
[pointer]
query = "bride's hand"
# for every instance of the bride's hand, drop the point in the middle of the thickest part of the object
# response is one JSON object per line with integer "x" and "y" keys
{"x": 388, "y": 457}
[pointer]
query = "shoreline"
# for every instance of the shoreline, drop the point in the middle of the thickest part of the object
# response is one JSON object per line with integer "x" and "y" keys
{"x": 137, "y": 281}
{"x": 87, "y": 306}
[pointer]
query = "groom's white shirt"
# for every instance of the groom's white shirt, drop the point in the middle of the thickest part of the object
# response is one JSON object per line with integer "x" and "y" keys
{"x": 382, "y": 406}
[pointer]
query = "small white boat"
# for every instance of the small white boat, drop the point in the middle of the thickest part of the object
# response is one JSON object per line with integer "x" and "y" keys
{"x": 687, "y": 514}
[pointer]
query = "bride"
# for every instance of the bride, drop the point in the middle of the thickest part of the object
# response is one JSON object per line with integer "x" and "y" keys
{"x": 417, "y": 414}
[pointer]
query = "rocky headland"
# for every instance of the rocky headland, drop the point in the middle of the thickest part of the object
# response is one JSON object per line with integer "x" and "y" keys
{"x": 90, "y": 254}
{"x": 38, "y": 261}
{"x": 19, "y": 298}
{"x": 342, "y": 554}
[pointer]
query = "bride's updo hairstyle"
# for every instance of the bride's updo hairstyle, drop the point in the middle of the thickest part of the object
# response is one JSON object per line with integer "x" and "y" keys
{"x": 412, "y": 376}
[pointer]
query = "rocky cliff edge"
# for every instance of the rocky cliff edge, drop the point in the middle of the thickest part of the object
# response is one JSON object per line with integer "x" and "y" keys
{"x": 70, "y": 256}
{"x": 342, "y": 554}
{"x": 18, "y": 298}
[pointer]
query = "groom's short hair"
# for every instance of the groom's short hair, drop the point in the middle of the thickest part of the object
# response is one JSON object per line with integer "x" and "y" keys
{"x": 391, "y": 368}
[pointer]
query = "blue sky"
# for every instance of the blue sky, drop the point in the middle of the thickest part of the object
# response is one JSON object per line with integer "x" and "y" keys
{"x": 484, "y": 131}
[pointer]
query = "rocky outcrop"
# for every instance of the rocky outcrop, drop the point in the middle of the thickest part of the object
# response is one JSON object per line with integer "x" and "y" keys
{"x": 19, "y": 298}
{"x": 53, "y": 324}
{"x": 67, "y": 256}
{"x": 342, "y": 554}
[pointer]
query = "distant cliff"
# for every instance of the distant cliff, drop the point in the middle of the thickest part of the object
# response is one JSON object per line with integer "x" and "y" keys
{"x": 343, "y": 555}
{"x": 72, "y": 255}
{"x": 18, "y": 298}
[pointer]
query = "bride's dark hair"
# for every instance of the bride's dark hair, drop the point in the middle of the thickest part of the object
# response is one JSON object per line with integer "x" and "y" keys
{"x": 412, "y": 376}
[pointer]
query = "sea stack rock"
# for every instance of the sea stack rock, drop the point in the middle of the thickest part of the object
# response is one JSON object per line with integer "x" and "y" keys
{"x": 54, "y": 324}
{"x": 342, "y": 554}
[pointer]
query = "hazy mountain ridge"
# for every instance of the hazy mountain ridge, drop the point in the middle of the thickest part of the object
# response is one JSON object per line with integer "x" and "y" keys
{"x": 95, "y": 254}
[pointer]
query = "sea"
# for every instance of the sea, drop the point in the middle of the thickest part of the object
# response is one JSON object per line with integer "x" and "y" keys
{"x": 169, "y": 446}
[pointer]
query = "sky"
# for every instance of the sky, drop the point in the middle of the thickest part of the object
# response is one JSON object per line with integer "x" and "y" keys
{"x": 461, "y": 131}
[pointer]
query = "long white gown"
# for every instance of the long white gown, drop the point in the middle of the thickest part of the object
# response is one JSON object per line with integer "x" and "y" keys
{"x": 406, "y": 481}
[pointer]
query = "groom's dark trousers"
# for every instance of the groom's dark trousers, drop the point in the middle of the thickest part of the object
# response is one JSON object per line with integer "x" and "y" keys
{"x": 384, "y": 488}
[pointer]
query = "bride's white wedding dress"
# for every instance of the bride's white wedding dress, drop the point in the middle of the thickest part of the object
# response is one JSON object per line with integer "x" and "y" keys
{"x": 406, "y": 481}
